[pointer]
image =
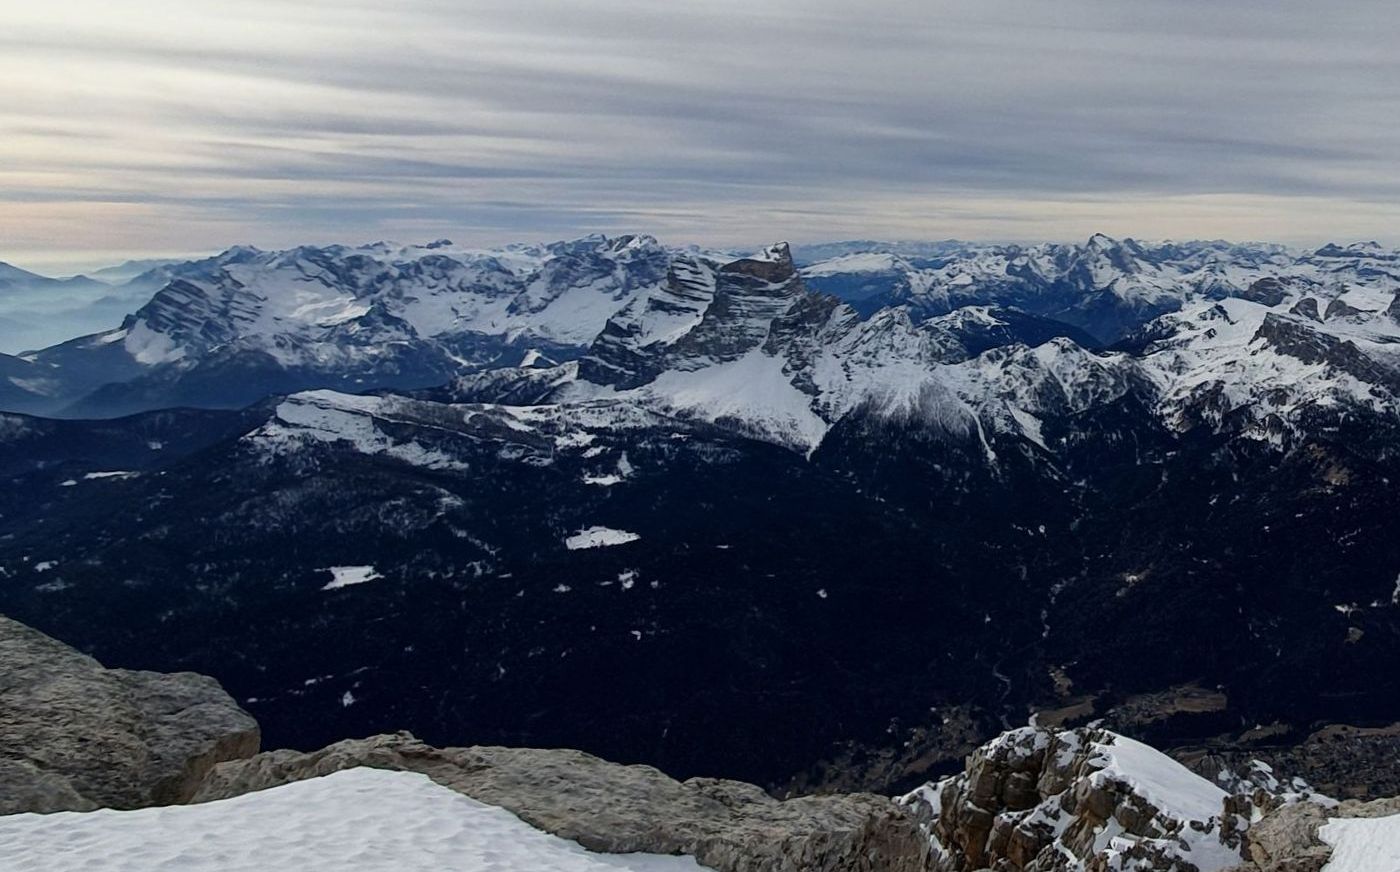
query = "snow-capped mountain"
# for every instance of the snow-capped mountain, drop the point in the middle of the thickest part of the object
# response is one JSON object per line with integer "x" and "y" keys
{"x": 609, "y": 476}
{"x": 231, "y": 329}
{"x": 1106, "y": 287}
{"x": 228, "y": 330}
{"x": 747, "y": 345}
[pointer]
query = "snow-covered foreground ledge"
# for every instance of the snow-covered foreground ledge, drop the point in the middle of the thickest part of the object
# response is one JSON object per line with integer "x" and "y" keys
{"x": 358, "y": 820}
{"x": 1362, "y": 844}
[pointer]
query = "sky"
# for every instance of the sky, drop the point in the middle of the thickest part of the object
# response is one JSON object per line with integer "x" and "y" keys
{"x": 149, "y": 128}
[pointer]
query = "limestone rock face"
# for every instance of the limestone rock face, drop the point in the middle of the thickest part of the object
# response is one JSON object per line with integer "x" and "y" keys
{"x": 726, "y": 825}
{"x": 1286, "y": 839}
{"x": 75, "y": 736}
{"x": 1039, "y": 799}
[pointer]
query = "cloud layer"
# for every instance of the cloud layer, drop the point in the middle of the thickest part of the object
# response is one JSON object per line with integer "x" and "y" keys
{"x": 161, "y": 127}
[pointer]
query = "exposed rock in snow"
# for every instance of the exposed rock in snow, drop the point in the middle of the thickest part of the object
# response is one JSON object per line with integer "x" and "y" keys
{"x": 1286, "y": 840}
{"x": 1089, "y": 800}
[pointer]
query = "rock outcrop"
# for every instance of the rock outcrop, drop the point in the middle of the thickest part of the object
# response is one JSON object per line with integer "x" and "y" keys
{"x": 1039, "y": 799}
{"x": 1287, "y": 838}
{"x": 726, "y": 825}
{"x": 75, "y": 736}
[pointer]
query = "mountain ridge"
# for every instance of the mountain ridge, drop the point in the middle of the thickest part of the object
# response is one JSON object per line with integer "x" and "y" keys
{"x": 976, "y": 516}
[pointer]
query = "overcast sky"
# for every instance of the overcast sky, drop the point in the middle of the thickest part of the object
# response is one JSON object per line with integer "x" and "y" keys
{"x": 153, "y": 127}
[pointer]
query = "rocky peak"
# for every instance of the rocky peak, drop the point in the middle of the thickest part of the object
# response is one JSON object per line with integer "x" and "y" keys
{"x": 1124, "y": 256}
{"x": 1340, "y": 309}
{"x": 1331, "y": 249}
{"x": 700, "y": 315}
{"x": 635, "y": 344}
{"x": 1297, "y": 340}
{"x": 1039, "y": 799}
{"x": 1306, "y": 308}
{"x": 1268, "y": 291}
{"x": 773, "y": 264}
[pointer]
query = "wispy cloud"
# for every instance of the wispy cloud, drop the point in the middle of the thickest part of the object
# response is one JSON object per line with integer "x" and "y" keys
{"x": 160, "y": 126}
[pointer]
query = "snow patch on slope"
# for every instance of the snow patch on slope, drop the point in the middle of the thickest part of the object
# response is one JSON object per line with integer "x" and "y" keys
{"x": 599, "y": 537}
{"x": 1157, "y": 778}
{"x": 752, "y": 390}
{"x": 345, "y": 576}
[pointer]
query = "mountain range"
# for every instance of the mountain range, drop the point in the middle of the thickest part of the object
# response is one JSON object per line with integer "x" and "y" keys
{"x": 836, "y": 516}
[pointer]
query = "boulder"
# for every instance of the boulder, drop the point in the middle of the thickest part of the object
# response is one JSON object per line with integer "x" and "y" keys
{"x": 75, "y": 736}
{"x": 726, "y": 825}
{"x": 1286, "y": 839}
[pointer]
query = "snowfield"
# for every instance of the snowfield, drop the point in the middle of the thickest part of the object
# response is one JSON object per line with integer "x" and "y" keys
{"x": 1157, "y": 778}
{"x": 359, "y": 820}
{"x": 599, "y": 537}
{"x": 345, "y": 576}
{"x": 1362, "y": 844}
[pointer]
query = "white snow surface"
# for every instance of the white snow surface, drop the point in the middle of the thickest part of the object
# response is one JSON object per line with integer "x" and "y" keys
{"x": 753, "y": 391}
{"x": 861, "y": 262}
{"x": 358, "y": 820}
{"x": 1362, "y": 844}
{"x": 345, "y": 576}
{"x": 599, "y": 537}
{"x": 1158, "y": 779}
